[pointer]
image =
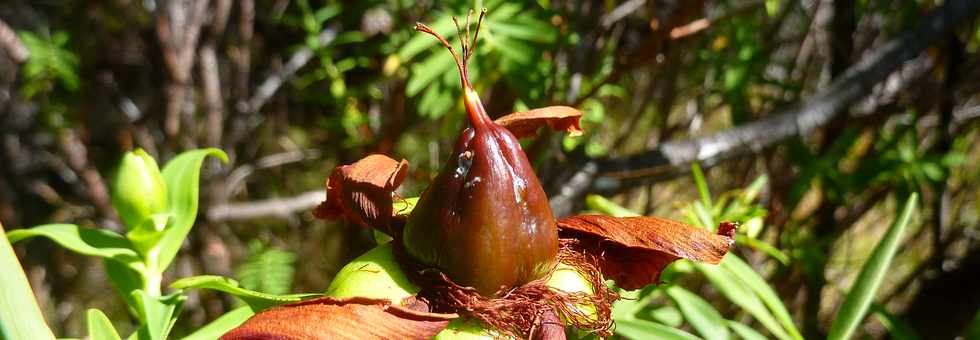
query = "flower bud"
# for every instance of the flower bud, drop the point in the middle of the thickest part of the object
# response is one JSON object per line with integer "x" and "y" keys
{"x": 138, "y": 191}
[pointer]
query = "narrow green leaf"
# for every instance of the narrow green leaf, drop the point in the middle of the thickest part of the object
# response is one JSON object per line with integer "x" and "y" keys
{"x": 764, "y": 247}
{"x": 157, "y": 313}
{"x": 898, "y": 329}
{"x": 632, "y": 302}
{"x": 607, "y": 206}
{"x": 667, "y": 315}
{"x": 753, "y": 190}
{"x": 215, "y": 329}
{"x": 745, "y": 332}
{"x": 257, "y": 300}
{"x": 20, "y": 316}
{"x": 702, "y": 185}
{"x": 703, "y": 317}
{"x": 758, "y": 285}
{"x": 705, "y": 218}
{"x": 99, "y": 326}
{"x": 85, "y": 241}
{"x": 855, "y": 305}
{"x": 182, "y": 176}
{"x": 643, "y": 329}
{"x": 530, "y": 29}
{"x": 739, "y": 293}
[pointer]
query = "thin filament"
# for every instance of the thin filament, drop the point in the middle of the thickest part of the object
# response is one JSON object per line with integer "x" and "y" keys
{"x": 459, "y": 63}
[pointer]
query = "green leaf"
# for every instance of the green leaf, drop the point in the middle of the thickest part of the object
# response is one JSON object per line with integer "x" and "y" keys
{"x": 739, "y": 293}
{"x": 699, "y": 313}
{"x": 898, "y": 329}
{"x": 85, "y": 241}
{"x": 764, "y": 247}
{"x": 667, "y": 315}
{"x": 758, "y": 285}
{"x": 20, "y": 316}
{"x": 753, "y": 190}
{"x": 855, "y": 305}
{"x": 643, "y": 329}
{"x": 125, "y": 280}
{"x": 428, "y": 71}
{"x": 158, "y": 314}
{"x": 99, "y": 326}
{"x": 182, "y": 177}
{"x": 607, "y": 206}
{"x": 257, "y": 300}
{"x": 222, "y": 324}
{"x": 702, "y": 185}
{"x": 405, "y": 206}
{"x": 745, "y": 332}
{"x": 267, "y": 269}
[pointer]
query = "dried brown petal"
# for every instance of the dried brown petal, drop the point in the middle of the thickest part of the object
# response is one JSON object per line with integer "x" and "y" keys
{"x": 332, "y": 318}
{"x": 634, "y": 250}
{"x": 526, "y": 124}
{"x": 362, "y": 192}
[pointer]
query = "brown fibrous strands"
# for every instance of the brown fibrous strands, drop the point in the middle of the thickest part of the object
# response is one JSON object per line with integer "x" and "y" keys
{"x": 517, "y": 311}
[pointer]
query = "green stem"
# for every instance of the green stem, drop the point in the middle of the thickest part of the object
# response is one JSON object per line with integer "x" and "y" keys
{"x": 153, "y": 276}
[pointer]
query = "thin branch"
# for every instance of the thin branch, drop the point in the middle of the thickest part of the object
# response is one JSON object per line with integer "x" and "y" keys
{"x": 621, "y": 12}
{"x": 275, "y": 207}
{"x": 271, "y": 84}
{"x": 11, "y": 44}
{"x": 855, "y": 83}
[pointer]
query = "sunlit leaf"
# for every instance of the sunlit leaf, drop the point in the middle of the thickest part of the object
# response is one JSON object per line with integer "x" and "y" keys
{"x": 745, "y": 332}
{"x": 222, "y": 324}
{"x": 85, "y": 241}
{"x": 642, "y": 329}
{"x": 607, "y": 206}
{"x": 182, "y": 177}
{"x": 736, "y": 266}
{"x": 699, "y": 313}
{"x": 257, "y": 300}
{"x": 99, "y": 326}
{"x": 855, "y": 305}
{"x": 20, "y": 316}
{"x": 737, "y": 291}
{"x": 158, "y": 313}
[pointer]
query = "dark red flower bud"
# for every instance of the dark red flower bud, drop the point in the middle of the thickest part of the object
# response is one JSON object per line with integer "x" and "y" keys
{"x": 485, "y": 220}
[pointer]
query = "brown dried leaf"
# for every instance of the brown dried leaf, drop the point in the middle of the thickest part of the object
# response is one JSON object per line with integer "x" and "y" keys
{"x": 332, "y": 318}
{"x": 634, "y": 250}
{"x": 362, "y": 192}
{"x": 526, "y": 124}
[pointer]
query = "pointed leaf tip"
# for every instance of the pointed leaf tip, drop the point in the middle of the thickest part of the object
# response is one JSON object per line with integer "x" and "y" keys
{"x": 333, "y": 318}
{"x": 362, "y": 192}
{"x": 634, "y": 250}
{"x": 526, "y": 123}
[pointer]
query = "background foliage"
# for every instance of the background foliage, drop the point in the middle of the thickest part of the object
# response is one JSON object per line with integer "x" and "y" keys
{"x": 291, "y": 88}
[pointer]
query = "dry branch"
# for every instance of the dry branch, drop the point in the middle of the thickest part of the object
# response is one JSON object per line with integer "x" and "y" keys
{"x": 855, "y": 83}
{"x": 275, "y": 80}
{"x": 275, "y": 207}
